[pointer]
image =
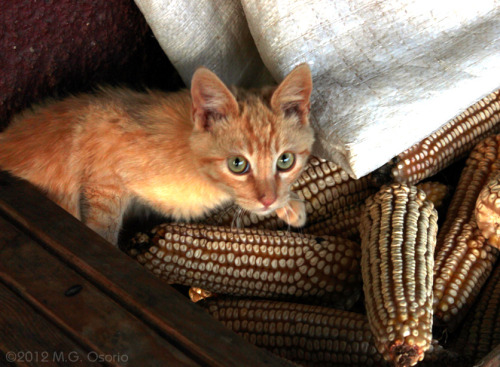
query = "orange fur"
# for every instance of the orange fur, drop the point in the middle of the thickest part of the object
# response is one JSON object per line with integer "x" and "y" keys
{"x": 97, "y": 154}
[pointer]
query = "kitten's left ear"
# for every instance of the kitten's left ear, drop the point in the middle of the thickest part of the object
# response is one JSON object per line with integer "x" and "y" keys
{"x": 293, "y": 94}
{"x": 212, "y": 100}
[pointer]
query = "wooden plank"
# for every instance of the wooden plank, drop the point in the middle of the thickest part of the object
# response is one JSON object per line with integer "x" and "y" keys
{"x": 27, "y": 338}
{"x": 141, "y": 293}
{"x": 70, "y": 301}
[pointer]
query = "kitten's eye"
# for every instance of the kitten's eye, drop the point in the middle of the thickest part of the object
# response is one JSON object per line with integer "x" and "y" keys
{"x": 285, "y": 161}
{"x": 238, "y": 165}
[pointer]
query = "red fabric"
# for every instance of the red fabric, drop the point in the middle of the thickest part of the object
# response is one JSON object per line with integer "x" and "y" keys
{"x": 50, "y": 47}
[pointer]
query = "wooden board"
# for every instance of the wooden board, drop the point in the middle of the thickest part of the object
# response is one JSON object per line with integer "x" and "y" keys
{"x": 26, "y": 337}
{"x": 76, "y": 306}
{"x": 105, "y": 271}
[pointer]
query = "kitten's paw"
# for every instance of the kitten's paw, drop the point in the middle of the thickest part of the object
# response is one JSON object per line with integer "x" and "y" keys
{"x": 293, "y": 213}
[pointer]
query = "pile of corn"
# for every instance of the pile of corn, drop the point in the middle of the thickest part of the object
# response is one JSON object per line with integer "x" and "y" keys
{"x": 371, "y": 280}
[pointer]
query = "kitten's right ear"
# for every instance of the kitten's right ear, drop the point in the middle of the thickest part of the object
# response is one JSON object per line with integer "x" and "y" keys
{"x": 212, "y": 100}
{"x": 293, "y": 94}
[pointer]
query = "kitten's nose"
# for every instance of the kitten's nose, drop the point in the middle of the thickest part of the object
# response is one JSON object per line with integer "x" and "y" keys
{"x": 267, "y": 199}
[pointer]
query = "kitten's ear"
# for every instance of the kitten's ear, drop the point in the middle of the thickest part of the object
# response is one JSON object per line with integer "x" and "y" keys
{"x": 293, "y": 94}
{"x": 211, "y": 100}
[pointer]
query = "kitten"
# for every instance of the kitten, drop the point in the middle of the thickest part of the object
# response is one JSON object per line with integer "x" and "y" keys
{"x": 181, "y": 154}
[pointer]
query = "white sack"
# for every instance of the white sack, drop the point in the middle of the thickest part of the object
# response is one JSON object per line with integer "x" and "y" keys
{"x": 211, "y": 33}
{"x": 386, "y": 73}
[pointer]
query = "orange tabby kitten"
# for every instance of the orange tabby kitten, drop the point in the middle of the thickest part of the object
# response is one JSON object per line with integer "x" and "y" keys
{"x": 181, "y": 154}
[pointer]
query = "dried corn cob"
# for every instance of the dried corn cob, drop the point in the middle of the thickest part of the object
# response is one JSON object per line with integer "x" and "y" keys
{"x": 463, "y": 258}
{"x": 449, "y": 143}
{"x": 252, "y": 262}
{"x": 326, "y": 189}
{"x": 309, "y": 335}
{"x": 343, "y": 223}
{"x": 434, "y": 191}
{"x": 459, "y": 275}
{"x": 488, "y": 212}
{"x": 398, "y": 235}
{"x": 481, "y": 331}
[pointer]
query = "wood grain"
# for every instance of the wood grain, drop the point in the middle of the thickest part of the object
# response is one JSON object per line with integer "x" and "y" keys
{"x": 184, "y": 324}
{"x": 32, "y": 338}
{"x": 88, "y": 315}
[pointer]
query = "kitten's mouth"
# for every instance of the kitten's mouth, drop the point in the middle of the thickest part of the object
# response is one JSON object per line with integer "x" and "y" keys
{"x": 261, "y": 211}
{"x": 264, "y": 211}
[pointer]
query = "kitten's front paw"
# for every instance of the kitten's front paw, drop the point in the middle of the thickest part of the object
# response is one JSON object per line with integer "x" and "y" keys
{"x": 293, "y": 213}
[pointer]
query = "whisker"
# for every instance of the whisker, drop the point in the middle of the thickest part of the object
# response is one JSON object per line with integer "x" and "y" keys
{"x": 244, "y": 212}
{"x": 224, "y": 212}
{"x": 236, "y": 222}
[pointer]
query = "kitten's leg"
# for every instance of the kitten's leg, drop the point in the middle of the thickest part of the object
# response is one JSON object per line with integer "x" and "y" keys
{"x": 294, "y": 212}
{"x": 69, "y": 202}
{"x": 102, "y": 210}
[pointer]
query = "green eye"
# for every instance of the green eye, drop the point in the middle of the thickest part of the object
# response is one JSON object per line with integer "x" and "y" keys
{"x": 237, "y": 164}
{"x": 285, "y": 161}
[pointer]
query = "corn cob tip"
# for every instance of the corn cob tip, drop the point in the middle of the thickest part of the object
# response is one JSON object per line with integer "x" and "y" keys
{"x": 436, "y": 192}
{"x": 197, "y": 294}
{"x": 487, "y": 212}
{"x": 383, "y": 175}
{"x": 137, "y": 244}
{"x": 404, "y": 355}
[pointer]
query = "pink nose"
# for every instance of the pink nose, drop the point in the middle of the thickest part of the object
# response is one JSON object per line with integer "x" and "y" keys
{"x": 267, "y": 200}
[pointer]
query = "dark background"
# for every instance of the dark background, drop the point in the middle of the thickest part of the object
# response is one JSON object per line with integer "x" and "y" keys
{"x": 50, "y": 48}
